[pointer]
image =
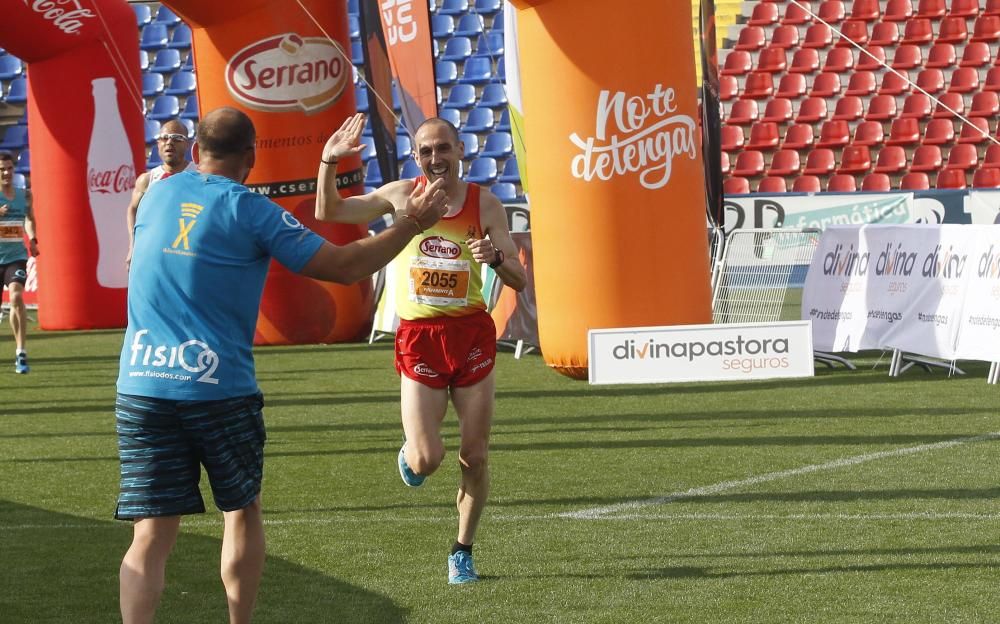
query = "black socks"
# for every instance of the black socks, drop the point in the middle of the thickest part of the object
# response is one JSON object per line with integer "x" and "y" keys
{"x": 460, "y": 546}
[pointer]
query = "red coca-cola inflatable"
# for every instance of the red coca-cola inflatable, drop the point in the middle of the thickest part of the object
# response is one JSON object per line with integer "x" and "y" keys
{"x": 85, "y": 129}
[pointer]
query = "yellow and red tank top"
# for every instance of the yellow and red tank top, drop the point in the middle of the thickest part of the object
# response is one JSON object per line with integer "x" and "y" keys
{"x": 437, "y": 275}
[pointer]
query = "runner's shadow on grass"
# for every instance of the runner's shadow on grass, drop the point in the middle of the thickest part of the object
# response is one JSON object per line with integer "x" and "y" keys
{"x": 63, "y": 568}
{"x": 704, "y": 573}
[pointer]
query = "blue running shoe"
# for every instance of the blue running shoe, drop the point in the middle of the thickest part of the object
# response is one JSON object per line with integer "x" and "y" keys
{"x": 21, "y": 364}
{"x": 409, "y": 477}
{"x": 460, "y": 569}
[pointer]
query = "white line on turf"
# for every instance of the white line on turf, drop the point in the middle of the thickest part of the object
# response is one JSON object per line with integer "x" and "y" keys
{"x": 725, "y": 486}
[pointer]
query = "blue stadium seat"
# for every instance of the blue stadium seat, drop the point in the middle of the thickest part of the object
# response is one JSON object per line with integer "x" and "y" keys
{"x": 469, "y": 25}
{"x": 353, "y": 26}
{"x": 479, "y": 120}
{"x": 10, "y": 67}
{"x": 143, "y": 60}
{"x": 501, "y": 73}
{"x": 471, "y": 142}
{"x": 454, "y": 7}
{"x": 373, "y": 175}
{"x": 410, "y": 169}
{"x": 166, "y": 17}
{"x": 154, "y": 36}
{"x": 357, "y": 53}
{"x": 152, "y": 130}
{"x": 190, "y": 109}
{"x": 446, "y": 72}
{"x": 23, "y": 163}
{"x": 490, "y": 44}
{"x": 143, "y": 14}
{"x": 352, "y": 7}
{"x": 182, "y": 83}
{"x": 19, "y": 181}
{"x": 369, "y": 152}
{"x": 152, "y": 84}
{"x": 14, "y": 138}
{"x": 504, "y": 124}
{"x": 18, "y": 91}
{"x": 442, "y": 26}
{"x": 457, "y": 49}
{"x": 498, "y": 21}
{"x": 166, "y": 61}
{"x": 164, "y": 107}
{"x": 483, "y": 171}
{"x": 488, "y": 7}
{"x": 180, "y": 38}
{"x": 189, "y": 124}
{"x": 477, "y": 70}
{"x": 510, "y": 172}
{"x": 505, "y": 191}
{"x": 452, "y": 115}
{"x": 188, "y": 63}
{"x": 154, "y": 159}
{"x": 498, "y": 145}
{"x": 404, "y": 147}
{"x": 461, "y": 96}
{"x": 361, "y": 97}
{"x": 494, "y": 95}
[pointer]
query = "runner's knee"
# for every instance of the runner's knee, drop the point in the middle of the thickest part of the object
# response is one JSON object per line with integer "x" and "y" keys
{"x": 473, "y": 458}
{"x": 424, "y": 458}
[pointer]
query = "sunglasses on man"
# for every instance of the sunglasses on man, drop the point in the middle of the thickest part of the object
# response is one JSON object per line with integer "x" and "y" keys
{"x": 172, "y": 138}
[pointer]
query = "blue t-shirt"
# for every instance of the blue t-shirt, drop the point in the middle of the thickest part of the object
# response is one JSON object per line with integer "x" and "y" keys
{"x": 12, "y": 228}
{"x": 203, "y": 244}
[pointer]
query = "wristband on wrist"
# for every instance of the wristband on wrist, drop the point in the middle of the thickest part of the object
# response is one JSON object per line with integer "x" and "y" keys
{"x": 413, "y": 219}
{"x": 332, "y": 161}
{"x": 34, "y": 240}
{"x": 499, "y": 260}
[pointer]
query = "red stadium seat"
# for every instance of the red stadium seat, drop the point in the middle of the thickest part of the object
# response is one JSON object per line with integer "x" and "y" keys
{"x": 987, "y": 28}
{"x": 749, "y": 164}
{"x": 939, "y": 132}
{"x": 764, "y": 14}
{"x": 785, "y": 163}
{"x": 907, "y": 57}
{"x": 729, "y": 88}
{"x": 804, "y": 61}
{"x": 992, "y": 81}
{"x": 985, "y": 104}
{"x": 806, "y": 184}
{"x": 876, "y": 183}
{"x": 918, "y": 31}
{"x": 895, "y": 83}
{"x": 885, "y": 34}
{"x": 915, "y": 181}
{"x": 832, "y": 11}
{"x": 785, "y": 37}
{"x": 964, "y": 80}
{"x": 867, "y": 10}
{"x": 733, "y": 139}
{"x": 726, "y": 165}
{"x": 818, "y": 36}
{"x": 820, "y": 162}
{"x": 871, "y": 59}
{"x": 855, "y": 159}
{"x": 778, "y": 110}
{"x": 951, "y": 179}
{"x": 834, "y": 134}
{"x": 941, "y": 56}
{"x": 992, "y": 7}
{"x": 764, "y": 136}
{"x": 839, "y": 60}
{"x": 799, "y": 137}
{"x": 759, "y": 86}
{"x": 792, "y": 87}
{"x": 992, "y": 158}
{"x": 772, "y": 60}
{"x": 976, "y": 54}
{"x": 827, "y": 85}
{"x": 963, "y": 157}
{"x": 952, "y": 30}
{"x": 868, "y": 133}
{"x": 897, "y": 11}
{"x": 743, "y": 113}
{"x": 796, "y": 15}
{"x": 964, "y": 8}
{"x": 772, "y": 184}
{"x": 975, "y": 132}
{"x": 861, "y": 83}
{"x": 933, "y": 9}
{"x": 842, "y": 183}
{"x": 916, "y": 106}
{"x": 881, "y": 108}
{"x": 737, "y": 63}
{"x": 811, "y": 110}
{"x": 849, "y": 108}
{"x": 953, "y": 101}
{"x": 891, "y": 160}
{"x": 853, "y": 32}
{"x": 986, "y": 178}
{"x": 931, "y": 81}
{"x": 752, "y": 38}
{"x": 736, "y": 186}
{"x": 905, "y": 132}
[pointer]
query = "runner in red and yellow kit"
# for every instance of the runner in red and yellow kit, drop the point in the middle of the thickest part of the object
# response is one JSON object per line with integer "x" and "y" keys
{"x": 446, "y": 342}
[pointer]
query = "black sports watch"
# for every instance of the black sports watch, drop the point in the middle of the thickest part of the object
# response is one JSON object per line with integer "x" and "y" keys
{"x": 499, "y": 259}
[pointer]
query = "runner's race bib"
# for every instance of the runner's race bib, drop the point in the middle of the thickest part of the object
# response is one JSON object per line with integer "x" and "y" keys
{"x": 439, "y": 282}
{"x": 11, "y": 231}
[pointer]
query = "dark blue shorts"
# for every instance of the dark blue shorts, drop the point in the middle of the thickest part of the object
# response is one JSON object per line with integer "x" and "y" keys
{"x": 162, "y": 445}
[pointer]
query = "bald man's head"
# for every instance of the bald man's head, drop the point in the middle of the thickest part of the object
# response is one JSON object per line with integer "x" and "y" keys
{"x": 225, "y": 132}
{"x": 438, "y": 122}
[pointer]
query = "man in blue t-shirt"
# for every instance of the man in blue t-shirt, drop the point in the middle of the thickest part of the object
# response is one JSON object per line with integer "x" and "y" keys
{"x": 187, "y": 392}
{"x": 16, "y": 222}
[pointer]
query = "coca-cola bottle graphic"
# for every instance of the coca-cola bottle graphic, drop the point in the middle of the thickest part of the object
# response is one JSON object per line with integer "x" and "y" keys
{"x": 110, "y": 179}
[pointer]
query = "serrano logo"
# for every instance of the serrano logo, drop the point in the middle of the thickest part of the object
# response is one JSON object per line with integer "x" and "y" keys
{"x": 438, "y": 247}
{"x": 288, "y": 72}
{"x": 424, "y": 371}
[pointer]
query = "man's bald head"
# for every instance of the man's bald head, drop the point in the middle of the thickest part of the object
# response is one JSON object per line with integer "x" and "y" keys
{"x": 437, "y": 121}
{"x": 225, "y": 132}
{"x": 174, "y": 126}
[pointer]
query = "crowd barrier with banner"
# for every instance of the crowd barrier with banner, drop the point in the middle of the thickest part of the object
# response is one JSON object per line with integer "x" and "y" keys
{"x": 929, "y": 290}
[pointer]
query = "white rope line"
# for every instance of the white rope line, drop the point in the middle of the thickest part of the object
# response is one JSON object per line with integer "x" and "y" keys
{"x": 121, "y": 66}
{"x": 965, "y": 120}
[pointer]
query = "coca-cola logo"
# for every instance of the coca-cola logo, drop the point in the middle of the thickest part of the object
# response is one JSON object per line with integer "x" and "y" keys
{"x": 438, "y": 247}
{"x": 289, "y": 72}
{"x": 120, "y": 180}
{"x": 68, "y": 19}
